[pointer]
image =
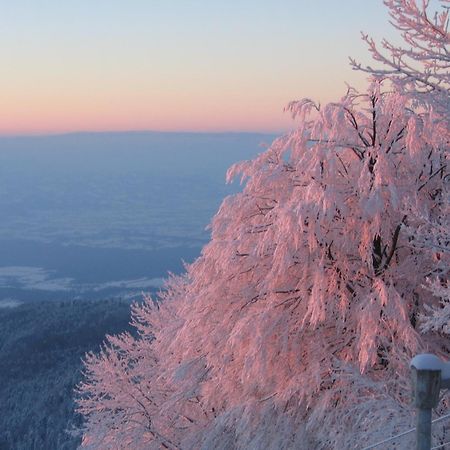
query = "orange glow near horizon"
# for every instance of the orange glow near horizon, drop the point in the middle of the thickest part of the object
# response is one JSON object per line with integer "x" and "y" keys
{"x": 210, "y": 67}
{"x": 216, "y": 108}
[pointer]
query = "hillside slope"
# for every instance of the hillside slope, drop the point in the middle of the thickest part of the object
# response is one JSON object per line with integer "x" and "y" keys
{"x": 41, "y": 346}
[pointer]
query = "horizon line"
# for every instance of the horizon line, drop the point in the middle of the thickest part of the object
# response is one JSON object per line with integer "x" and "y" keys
{"x": 135, "y": 131}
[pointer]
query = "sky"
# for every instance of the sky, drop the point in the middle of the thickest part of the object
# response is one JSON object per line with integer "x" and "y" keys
{"x": 175, "y": 65}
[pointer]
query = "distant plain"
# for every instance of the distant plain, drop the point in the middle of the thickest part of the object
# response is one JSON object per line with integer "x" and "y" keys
{"x": 95, "y": 215}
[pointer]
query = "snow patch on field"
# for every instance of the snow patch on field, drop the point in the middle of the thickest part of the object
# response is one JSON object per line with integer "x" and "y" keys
{"x": 139, "y": 283}
{"x": 9, "y": 303}
{"x": 38, "y": 278}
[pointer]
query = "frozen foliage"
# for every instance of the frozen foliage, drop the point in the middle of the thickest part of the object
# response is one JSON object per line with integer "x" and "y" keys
{"x": 421, "y": 65}
{"x": 295, "y": 327}
{"x": 433, "y": 236}
{"x": 438, "y": 317}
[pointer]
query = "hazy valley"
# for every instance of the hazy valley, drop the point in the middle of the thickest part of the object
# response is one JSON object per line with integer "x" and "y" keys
{"x": 88, "y": 223}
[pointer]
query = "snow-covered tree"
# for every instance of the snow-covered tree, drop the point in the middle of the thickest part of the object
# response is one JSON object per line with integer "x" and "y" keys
{"x": 308, "y": 281}
{"x": 433, "y": 236}
{"x": 294, "y": 327}
{"x": 421, "y": 65}
{"x": 421, "y": 69}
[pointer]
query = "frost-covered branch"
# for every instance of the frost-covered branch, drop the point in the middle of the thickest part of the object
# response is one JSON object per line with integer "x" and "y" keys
{"x": 422, "y": 65}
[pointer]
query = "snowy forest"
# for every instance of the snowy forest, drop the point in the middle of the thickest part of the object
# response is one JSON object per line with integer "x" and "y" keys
{"x": 322, "y": 278}
{"x": 41, "y": 347}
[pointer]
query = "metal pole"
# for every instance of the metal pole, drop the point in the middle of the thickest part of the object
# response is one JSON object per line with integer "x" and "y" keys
{"x": 423, "y": 432}
{"x": 427, "y": 385}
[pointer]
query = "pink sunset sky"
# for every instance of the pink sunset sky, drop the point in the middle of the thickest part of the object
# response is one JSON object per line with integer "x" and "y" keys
{"x": 180, "y": 65}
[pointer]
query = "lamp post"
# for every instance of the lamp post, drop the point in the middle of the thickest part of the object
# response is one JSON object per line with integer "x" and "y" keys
{"x": 429, "y": 375}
